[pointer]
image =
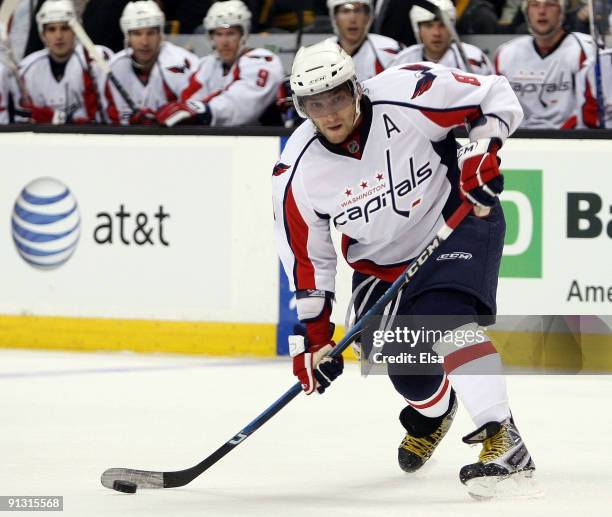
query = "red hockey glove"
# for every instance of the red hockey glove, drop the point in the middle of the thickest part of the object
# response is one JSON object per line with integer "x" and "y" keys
{"x": 481, "y": 182}
{"x": 143, "y": 117}
{"x": 196, "y": 112}
{"x": 43, "y": 114}
{"x": 312, "y": 366}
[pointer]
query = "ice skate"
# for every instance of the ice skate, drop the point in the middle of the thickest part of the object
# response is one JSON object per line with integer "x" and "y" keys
{"x": 504, "y": 467}
{"x": 423, "y": 435}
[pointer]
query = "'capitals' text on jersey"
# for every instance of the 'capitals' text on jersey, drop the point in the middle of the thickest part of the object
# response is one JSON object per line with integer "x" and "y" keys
{"x": 545, "y": 85}
{"x": 390, "y": 186}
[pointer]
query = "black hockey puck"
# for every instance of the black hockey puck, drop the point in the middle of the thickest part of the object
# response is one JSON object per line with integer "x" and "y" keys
{"x": 127, "y": 487}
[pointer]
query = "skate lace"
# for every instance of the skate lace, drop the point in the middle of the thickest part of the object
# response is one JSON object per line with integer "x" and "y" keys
{"x": 422, "y": 447}
{"x": 496, "y": 446}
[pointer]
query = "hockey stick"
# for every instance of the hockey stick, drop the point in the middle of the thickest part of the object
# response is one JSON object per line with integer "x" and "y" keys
{"x": 595, "y": 34}
{"x": 100, "y": 61}
{"x": 151, "y": 479}
{"x": 445, "y": 19}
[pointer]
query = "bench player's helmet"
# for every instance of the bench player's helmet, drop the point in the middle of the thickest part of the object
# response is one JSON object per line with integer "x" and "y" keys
{"x": 420, "y": 15}
{"x": 232, "y": 13}
{"x": 54, "y": 11}
{"x": 321, "y": 68}
{"x": 333, "y": 4}
{"x": 141, "y": 14}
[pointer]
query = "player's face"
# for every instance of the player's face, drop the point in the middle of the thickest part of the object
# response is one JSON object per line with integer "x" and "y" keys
{"x": 59, "y": 40}
{"x": 544, "y": 16}
{"x": 145, "y": 43}
{"x": 227, "y": 43}
{"x": 435, "y": 38}
{"x": 332, "y": 112}
{"x": 352, "y": 21}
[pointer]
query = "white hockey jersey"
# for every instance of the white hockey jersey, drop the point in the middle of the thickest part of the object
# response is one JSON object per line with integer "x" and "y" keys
{"x": 79, "y": 93}
{"x": 389, "y": 187}
{"x": 5, "y": 91}
{"x": 374, "y": 55}
{"x": 545, "y": 85}
{"x": 586, "y": 110}
{"x": 478, "y": 60}
{"x": 238, "y": 95}
{"x": 166, "y": 81}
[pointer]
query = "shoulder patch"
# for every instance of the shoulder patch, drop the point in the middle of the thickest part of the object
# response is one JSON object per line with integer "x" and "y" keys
{"x": 425, "y": 81}
{"x": 280, "y": 168}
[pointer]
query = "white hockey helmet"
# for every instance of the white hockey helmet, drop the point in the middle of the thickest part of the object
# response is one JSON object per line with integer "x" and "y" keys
{"x": 320, "y": 68}
{"x": 54, "y": 11}
{"x": 230, "y": 13}
{"x": 331, "y": 7}
{"x": 420, "y": 15}
{"x": 140, "y": 15}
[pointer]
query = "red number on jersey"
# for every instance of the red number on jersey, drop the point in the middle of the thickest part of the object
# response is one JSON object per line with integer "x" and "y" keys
{"x": 263, "y": 77}
{"x": 468, "y": 79}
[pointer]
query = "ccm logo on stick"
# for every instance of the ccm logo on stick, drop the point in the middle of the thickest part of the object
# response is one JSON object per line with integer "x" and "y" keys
{"x": 455, "y": 255}
{"x": 237, "y": 439}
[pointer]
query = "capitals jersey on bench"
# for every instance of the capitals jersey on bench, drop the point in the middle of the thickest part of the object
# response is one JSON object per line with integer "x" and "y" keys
{"x": 166, "y": 81}
{"x": 478, "y": 60}
{"x": 545, "y": 85}
{"x": 391, "y": 185}
{"x": 374, "y": 55}
{"x": 586, "y": 111}
{"x": 239, "y": 94}
{"x": 79, "y": 91}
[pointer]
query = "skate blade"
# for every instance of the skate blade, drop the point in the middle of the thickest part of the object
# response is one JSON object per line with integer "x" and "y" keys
{"x": 520, "y": 485}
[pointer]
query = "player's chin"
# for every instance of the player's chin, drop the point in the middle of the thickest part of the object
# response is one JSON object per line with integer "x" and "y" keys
{"x": 335, "y": 134}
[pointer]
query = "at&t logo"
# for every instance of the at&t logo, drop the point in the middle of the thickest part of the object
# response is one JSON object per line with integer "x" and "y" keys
{"x": 46, "y": 223}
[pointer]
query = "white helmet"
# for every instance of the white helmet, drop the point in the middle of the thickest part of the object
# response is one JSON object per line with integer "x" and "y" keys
{"x": 55, "y": 11}
{"x": 222, "y": 15}
{"x": 420, "y": 15}
{"x": 319, "y": 68}
{"x": 332, "y": 4}
{"x": 140, "y": 15}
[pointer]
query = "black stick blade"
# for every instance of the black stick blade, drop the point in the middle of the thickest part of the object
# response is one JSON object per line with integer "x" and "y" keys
{"x": 142, "y": 478}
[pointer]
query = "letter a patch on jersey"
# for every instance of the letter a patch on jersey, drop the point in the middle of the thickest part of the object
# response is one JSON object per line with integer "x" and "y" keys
{"x": 425, "y": 81}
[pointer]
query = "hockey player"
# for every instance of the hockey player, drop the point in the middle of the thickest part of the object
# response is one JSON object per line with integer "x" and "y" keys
{"x": 379, "y": 162}
{"x": 62, "y": 82}
{"x": 235, "y": 85}
{"x": 542, "y": 67}
{"x": 587, "y": 109}
{"x": 436, "y": 45}
{"x": 152, "y": 71}
{"x": 371, "y": 53}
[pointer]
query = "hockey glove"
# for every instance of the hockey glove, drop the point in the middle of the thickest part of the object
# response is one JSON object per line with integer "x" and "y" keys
{"x": 143, "y": 117}
{"x": 196, "y": 112}
{"x": 481, "y": 182}
{"x": 311, "y": 364}
{"x": 42, "y": 114}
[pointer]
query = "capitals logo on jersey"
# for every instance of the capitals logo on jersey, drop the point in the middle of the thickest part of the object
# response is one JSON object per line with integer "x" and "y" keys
{"x": 280, "y": 168}
{"x": 425, "y": 81}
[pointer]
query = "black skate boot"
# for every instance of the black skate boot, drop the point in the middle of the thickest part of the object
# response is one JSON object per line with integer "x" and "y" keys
{"x": 503, "y": 464}
{"x": 423, "y": 435}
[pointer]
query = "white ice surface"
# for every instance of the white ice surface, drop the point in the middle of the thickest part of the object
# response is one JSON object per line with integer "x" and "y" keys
{"x": 64, "y": 418}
